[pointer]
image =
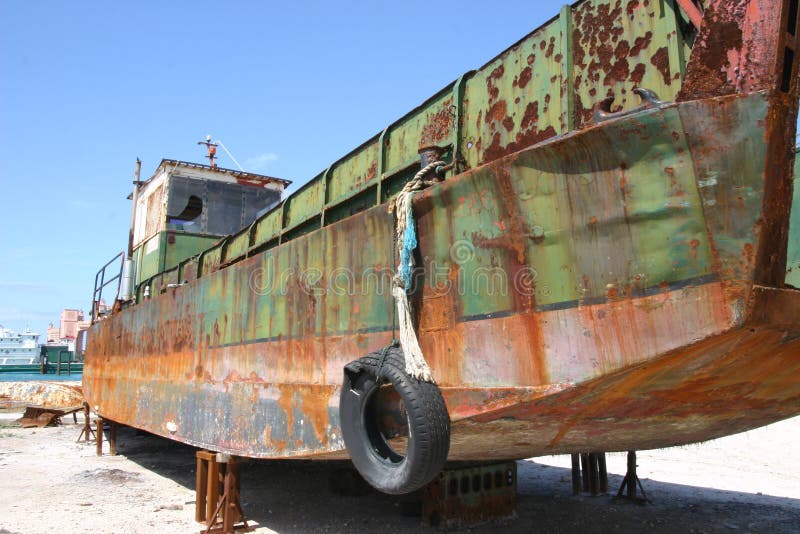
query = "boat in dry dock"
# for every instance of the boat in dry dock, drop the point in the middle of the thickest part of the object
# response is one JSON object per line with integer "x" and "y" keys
{"x": 598, "y": 231}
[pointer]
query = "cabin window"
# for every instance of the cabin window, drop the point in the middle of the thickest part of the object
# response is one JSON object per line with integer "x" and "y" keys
{"x": 212, "y": 207}
{"x": 186, "y": 204}
{"x": 190, "y": 213}
{"x": 225, "y": 205}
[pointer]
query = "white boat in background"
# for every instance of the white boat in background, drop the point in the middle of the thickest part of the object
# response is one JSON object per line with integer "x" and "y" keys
{"x": 18, "y": 348}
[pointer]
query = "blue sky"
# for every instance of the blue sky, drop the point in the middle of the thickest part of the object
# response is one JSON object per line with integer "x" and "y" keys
{"x": 87, "y": 87}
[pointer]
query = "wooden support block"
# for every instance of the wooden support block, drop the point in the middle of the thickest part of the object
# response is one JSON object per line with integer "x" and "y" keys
{"x": 601, "y": 467}
{"x": 585, "y": 471}
{"x": 99, "y": 421}
{"x": 589, "y": 473}
{"x": 87, "y": 420}
{"x": 112, "y": 438}
{"x": 576, "y": 474}
{"x": 594, "y": 475}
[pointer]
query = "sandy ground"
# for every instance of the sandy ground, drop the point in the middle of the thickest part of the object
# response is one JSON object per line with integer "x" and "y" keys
{"x": 50, "y": 483}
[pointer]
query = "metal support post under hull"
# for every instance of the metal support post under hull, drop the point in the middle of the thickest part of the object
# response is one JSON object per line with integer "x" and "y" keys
{"x": 221, "y": 511}
{"x": 630, "y": 482}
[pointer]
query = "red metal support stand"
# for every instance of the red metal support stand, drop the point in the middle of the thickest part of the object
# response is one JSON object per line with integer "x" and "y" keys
{"x": 222, "y": 513}
{"x": 87, "y": 434}
{"x": 630, "y": 482}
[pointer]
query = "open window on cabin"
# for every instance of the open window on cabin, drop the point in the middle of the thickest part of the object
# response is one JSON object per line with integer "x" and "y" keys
{"x": 190, "y": 214}
{"x": 211, "y": 207}
{"x": 185, "y": 204}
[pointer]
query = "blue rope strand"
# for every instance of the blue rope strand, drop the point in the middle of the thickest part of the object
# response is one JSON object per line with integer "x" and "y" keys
{"x": 406, "y": 253}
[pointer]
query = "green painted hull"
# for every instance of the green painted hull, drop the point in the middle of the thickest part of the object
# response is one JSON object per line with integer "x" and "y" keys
{"x": 74, "y": 368}
{"x": 21, "y": 368}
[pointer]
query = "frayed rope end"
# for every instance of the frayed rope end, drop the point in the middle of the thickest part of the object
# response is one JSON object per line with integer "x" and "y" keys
{"x": 416, "y": 365}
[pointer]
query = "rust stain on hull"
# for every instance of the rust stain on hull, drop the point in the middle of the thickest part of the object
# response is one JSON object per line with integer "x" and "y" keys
{"x": 729, "y": 384}
{"x": 726, "y": 383}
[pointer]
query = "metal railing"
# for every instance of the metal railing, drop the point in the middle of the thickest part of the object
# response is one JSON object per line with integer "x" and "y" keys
{"x": 100, "y": 283}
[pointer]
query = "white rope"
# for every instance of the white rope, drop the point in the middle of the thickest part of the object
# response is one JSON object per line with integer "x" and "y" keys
{"x": 416, "y": 365}
{"x": 228, "y": 152}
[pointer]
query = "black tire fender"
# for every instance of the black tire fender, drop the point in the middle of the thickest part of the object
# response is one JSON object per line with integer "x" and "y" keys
{"x": 428, "y": 424}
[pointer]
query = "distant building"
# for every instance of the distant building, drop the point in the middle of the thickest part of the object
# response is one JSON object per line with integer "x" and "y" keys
{"x": 71, "y": 323}
{"x": 52, "y": 334}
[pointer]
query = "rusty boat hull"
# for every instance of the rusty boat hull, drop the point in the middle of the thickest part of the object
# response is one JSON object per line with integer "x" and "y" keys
{"x": 730, "y": 383}
{"x": 616, "y": 287}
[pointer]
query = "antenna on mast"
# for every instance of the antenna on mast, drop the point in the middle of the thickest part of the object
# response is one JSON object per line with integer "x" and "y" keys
{"x": 212, "y": 151}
